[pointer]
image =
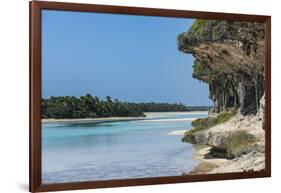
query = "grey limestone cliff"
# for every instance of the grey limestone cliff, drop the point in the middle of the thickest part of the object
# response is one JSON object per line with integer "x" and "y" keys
{"x": 229, "y": 56}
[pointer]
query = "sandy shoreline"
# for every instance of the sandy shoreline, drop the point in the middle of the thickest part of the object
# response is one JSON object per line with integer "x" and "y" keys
{"x": 149, "y": 115}
{"x": 205, "y": 165}
{"x": 161, "y": 114}
{"x": 169, "y": 120}
{"x": 92, "y": 120}
{"x": 177, "y": 132}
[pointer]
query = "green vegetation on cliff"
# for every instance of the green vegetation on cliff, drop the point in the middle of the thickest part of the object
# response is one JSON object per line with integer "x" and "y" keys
{"x": 197, "y": 68}
{"x": 206, "y": 123}
{"x": 239, "y": 143}
{"x": 229, "y": 56}
{"x": 203, "y": 73}
{"x": 197, "y": 24}
{"x": 202, "y": 30}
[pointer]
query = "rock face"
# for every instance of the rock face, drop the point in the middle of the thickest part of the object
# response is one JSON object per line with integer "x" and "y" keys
{"x": 229, "y": 56}
{"x": 218, "y": 135}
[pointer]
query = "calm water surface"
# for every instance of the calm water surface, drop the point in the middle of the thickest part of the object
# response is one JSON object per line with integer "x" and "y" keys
{"x": 116, "y": 150}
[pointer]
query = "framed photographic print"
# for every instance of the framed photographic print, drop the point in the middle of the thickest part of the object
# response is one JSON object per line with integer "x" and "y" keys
{"x": 123, "y": 96}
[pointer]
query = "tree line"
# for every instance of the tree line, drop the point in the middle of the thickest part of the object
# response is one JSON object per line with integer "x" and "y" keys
{"x": 89, "y": 106}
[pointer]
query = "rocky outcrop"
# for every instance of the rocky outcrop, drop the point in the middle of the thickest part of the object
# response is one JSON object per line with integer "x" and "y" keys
{"x": 251, "y": 156}
{"x": 229, "y": 56}
{"x": 218, "y": 136}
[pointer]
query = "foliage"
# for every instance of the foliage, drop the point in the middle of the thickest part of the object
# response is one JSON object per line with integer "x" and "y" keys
{"x": 204, "y": 30}
{"x": 181, "y": 38}
{"x": 225, "y": 116}
{"x": 197, "y": 25}
{"x": 197, "y": 67}
{"x": 89, "y": 106}
{"x": 86, "y": 107}
{"x": 199, "y": 108}
{"x": 206, "y": 123}
{"x": 239, "y": 143}
{"x": 203, "y": 73}
{"x": 196, "y": 28}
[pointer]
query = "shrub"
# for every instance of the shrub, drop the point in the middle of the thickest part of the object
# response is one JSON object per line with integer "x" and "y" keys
{"x": 239, "y": 143}
{"x": 225, "y": 116}
{"x": 206, "y": 123}
{"x": 201, "y": 71}
{"x": 197, "y": 67}
{"x": 197, "y": 25}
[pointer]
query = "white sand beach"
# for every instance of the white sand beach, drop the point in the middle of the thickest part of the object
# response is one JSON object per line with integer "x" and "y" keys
{"x": 149, "y": 115}
{"x": 164, "y": 120}
{"x": 177, "y": 132}
{"x": 165, "y": 114}
{"x": 92, "y": 120}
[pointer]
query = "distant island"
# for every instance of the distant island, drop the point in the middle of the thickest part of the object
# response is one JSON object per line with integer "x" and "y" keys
{"x": 88, "y": 106}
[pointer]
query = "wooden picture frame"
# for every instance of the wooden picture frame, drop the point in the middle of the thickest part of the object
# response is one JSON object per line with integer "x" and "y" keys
{"x": 35, "y": 94}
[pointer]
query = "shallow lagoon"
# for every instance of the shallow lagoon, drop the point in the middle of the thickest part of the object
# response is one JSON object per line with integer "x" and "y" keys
{"x": 117, "y": 150}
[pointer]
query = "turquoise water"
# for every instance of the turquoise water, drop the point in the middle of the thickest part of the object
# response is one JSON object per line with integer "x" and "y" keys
{"x": 116, "y": 150}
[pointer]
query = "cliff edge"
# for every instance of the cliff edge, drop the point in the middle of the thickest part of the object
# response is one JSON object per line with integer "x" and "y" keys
{"x": 229, "y": 57}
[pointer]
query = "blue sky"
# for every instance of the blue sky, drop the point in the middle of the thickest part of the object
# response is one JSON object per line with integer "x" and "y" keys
{"x": 132, "y": 58}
